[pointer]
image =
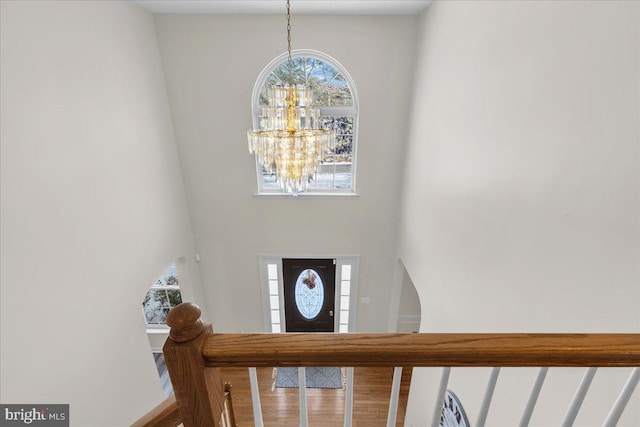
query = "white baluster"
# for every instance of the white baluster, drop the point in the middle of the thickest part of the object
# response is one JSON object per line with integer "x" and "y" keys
{"x": 623, "y": 399}
{"x": 488, "y": 396}
{"x": 348, "y": 403}
{"x": 579, "y": 397}
{"x": 444, "y": 381}
{"x": 533, "y": 397}
{"x": 395, "y": 393}
{"x": 302, "y": 387}
{"x": 255, "y": 398}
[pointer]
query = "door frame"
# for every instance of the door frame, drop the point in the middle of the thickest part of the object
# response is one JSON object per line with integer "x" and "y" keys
{"x": 323, "y": 269}
{"x": 341, "y": 260}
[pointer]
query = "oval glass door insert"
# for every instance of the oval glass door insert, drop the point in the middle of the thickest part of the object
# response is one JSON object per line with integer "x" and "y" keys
{"x": 309, "y": 293}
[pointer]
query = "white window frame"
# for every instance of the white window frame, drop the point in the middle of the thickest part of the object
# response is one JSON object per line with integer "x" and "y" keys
{"x": 162, "y": 327}
{"x": 352, "y": 260}
{"x": 324, "y": 112}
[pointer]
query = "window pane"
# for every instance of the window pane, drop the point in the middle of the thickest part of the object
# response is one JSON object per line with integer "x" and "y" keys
{"x": 273, "y": 287}
{"x": 275, "y": 327}
{"x": 343, "y": 149}
{"x": 174, "y": 297}
{"x": 336, "y": 170}
{"x": 272, "y": 270}
{"x": 346, "y": 272}
{"x": 309, "y": 294}
{"x": 345, "y": 288}
{"x": 344, "y": 316}
{"x": 156, "y": 316}
{"x": 343, "y": 178}
{"x": 344, "y": 328}
{"x": 275, "y": 316}
{"x": 328, "y": 85}
{"x": 147, "y": 299}
{"x": 269, "y": 180}
{"x": 275, "y": 302}
{"x": 156, "y": 298}
{"x": 324, "y": 177}
{"x": 341, "y": 125}
{"x": 344, "y": 302}
{"x": 172, "y": 281}
{"x": 168, "y": 278}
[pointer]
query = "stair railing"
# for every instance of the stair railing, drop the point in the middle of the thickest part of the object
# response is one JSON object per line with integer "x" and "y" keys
{"x": 194, "y": 356}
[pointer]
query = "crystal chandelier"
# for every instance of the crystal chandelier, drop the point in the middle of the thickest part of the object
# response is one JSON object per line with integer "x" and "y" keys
{"x": 288, "y": 140}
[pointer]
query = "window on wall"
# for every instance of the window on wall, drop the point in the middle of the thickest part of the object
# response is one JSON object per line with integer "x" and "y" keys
{"x": 345, "y": 296}
{"x": 163, "y": 295}
{"x": 334, "y": 94}
{"x": 274, "y": 297}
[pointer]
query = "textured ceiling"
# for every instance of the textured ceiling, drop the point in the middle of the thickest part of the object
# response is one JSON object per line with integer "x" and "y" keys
{"x": 315, "y": 7}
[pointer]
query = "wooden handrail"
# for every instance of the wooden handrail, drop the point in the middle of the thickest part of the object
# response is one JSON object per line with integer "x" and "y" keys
{"x": 435, "y": 350}
{"x": 194, "y": 353}
{"x": 166, "y": 414}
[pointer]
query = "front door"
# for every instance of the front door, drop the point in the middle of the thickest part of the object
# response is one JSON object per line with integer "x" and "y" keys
{"x": 309, "y": 294}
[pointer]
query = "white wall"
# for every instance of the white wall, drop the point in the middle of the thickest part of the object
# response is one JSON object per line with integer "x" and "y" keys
{"x": 211, "y": 64}
{"x": 409, "y": 312}
{"x": 521, "y": 202}
{"x": 93, "y": 206}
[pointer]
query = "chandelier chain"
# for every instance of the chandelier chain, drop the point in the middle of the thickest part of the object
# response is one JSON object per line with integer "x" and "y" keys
{"x": 289, "y": 31}
{"x": 287, "y": 137}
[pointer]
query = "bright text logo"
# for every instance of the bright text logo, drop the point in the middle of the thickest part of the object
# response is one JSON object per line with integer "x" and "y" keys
{"x": 36, "y": 415}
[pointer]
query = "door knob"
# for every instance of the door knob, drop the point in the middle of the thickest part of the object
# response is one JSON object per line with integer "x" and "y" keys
{"x": 331, "y": 313}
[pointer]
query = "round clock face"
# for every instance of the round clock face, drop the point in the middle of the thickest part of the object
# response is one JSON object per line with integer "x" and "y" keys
{"x": 453, "y": 414}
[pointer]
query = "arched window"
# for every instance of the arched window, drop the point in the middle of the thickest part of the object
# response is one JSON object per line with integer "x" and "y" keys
{"x": 334, "y": 93}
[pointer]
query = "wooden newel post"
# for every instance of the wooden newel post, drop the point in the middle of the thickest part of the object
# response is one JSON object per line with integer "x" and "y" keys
{"x": 199, "y": 390}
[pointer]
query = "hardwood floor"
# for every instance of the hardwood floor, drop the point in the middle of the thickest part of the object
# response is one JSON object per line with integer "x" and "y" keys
{"x": 280, "y": 407}
{"x": 163, "y": 373}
